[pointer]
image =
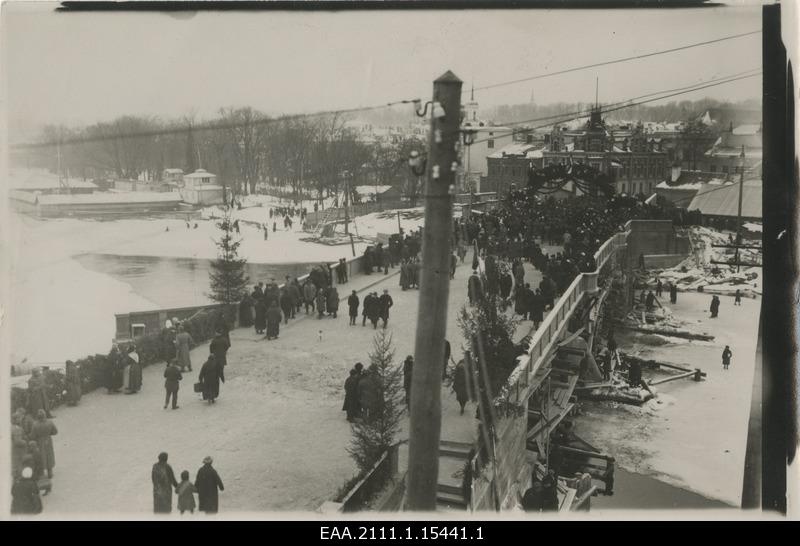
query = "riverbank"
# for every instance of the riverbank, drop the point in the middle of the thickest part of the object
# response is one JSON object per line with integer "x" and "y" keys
{"x": 692, "y": 435}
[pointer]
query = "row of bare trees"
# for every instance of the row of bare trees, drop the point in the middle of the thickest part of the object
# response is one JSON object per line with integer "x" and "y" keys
{"x": 245, "y": 148}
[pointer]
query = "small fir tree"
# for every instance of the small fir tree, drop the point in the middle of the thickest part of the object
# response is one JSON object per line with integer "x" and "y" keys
{"x": 375, "y": 434}
{"x": 227, "y": 274}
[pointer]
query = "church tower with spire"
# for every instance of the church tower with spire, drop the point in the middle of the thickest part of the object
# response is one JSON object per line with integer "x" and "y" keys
{"x": 471, "y": 108}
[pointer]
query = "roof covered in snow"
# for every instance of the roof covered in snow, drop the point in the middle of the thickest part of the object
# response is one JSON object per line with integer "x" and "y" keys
{"x": 200, "y": 173}
{"x": 723, "y": 200}
{"x": 108, "y": 197}
{"x": 371, "y": 190}
{"x": 519, "y": 150}
{"x": 750, "y": 129}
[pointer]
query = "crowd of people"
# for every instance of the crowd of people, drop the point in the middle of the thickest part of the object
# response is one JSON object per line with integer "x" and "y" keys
{"x": 32, "y": 459}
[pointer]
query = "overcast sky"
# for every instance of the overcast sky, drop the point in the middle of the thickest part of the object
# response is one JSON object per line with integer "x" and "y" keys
{"x": 81, "y": 68}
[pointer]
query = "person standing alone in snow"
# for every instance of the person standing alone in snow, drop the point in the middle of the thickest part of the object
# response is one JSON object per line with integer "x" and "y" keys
{"x": 726, "y": 357}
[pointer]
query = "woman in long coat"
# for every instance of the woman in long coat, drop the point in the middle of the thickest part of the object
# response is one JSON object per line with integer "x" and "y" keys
{"x": 246, "y": 311}
{"x": 163, "y": 481}
{"x": 208, "y": 484}
{"x": 183, "y": 344}
{"x": 134, "y": 372}
{"x": 210, "y": 377}
{"x": 274, "y": 318}
{"x": 42, "y": 433}
{"x": 25, "y": 495}
{"x": 73, "y": 383}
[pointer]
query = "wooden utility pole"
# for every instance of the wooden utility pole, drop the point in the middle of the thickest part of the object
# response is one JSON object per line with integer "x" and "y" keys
{"x": 346, "y": 198}
{"x": 426, "y": 413}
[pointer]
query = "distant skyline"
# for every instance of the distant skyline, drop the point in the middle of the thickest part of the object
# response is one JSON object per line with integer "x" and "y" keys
{"x": 81, "y": 68}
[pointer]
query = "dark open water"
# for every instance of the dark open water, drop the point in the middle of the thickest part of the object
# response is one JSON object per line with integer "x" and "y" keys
{"x": 176, "y": 282}
{"x": 640, "y": 492}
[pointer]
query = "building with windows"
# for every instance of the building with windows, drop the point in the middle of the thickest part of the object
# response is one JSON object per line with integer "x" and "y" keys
{"x": 724, "y": 157}
{"x": 637, "y": 163}
{"x": 488, "y": 139}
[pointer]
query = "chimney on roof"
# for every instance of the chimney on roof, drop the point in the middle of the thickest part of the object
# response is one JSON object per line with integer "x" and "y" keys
{"x": 676, "y": 173}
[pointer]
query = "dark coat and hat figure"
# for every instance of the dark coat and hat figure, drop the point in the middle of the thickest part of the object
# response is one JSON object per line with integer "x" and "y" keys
{"x": 163, "y": 482}
{"x": 73, "y": 383}
{"x": 209, "y": 378}
{"x": 208, "y": 485}
{"x": 37, "y": 393}
{"x": 351, "y": 395}
{"x": 332, "y": 301}
{"x": 460, "y": 382}
{"x": 274, "y": 318}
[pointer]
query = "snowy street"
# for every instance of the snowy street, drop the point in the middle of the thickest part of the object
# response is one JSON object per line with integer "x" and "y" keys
{"x": 277, "y": 434}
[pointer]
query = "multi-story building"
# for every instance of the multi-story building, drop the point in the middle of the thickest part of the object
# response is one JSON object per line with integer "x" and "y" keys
{"x": 724, "y": 157}
{"x": 636, "y": 164}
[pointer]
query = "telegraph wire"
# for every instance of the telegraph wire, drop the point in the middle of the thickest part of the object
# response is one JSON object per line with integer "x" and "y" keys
{"x": 616, "y": 61}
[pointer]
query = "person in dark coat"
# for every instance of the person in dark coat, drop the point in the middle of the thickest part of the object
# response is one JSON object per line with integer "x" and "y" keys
{"x": 332, "y": 301}
{"x": 219, "y": 346}
{"x": 532, "y": 500}
{"x": 246, "y": 311}
{"x": 714, "y": 306}
{"x": 172, "y": 384}
{"x": 385, "y": 303}
{"x": 208, "y": 484}
{"x": 650, "y": 301}
{"x": 113, "y": 379}
{"x": 352, "y": 304}
{"x": 209, "y": 378}
{"x": 408, "y": 370}
{"x": 369, "y": 396}
{"x": 474, "y": 288}
{"x": 453, "y": 264}
{"x": 374, "y": 311}
{"x": 287, "y": 305}
{"x": 537, "y": 308}
{"x": 673, "y": 293}
{"x": 550, "y": 492}
{"x": 506, "y": 282}
{"x": 351, "y": 395}
{"x": 37, "y": 394}
{"x": 726, "y": 357}
{"x": 738, "y": 298}
{"x": 163, "y": 481}
{"x": 273, "y": 321}
{"x": 294, "y": 292}
{"x": 73, "y": 383}
{"x": 659, "y": 287}
{"x": 366, "y": 308}
{"x": 25, "y": 497}
{"x": 261, "y": 316}
{"x": 460, "y": 382}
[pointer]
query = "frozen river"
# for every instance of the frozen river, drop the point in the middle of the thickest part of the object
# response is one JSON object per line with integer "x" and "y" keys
{"x": 175, "y": 282}
{"x": 68, "y": 277}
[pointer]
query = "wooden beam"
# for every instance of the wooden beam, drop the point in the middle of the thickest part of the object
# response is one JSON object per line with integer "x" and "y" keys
{"x": 672, "y": 378}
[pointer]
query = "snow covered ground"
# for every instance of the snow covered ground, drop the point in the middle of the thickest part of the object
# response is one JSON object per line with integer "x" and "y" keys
{"x": 692, "y": 435}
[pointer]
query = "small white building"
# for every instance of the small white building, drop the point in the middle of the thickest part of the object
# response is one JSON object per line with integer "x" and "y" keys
{"x": 173, "y": 177}
{"x": 200, "y": 188}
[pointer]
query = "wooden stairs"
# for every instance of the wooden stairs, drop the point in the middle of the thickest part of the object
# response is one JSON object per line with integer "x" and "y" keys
{"x": 453, "y": 456}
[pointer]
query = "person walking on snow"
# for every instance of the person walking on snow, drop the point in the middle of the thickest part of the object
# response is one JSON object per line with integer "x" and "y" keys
{"x": 208, "y": 484}
{"x": 738, "y": 299}
{"x": 171, "y": 384}
{"x": 163, "y": 479}
{"x": 385, "y": 304}
{"x": 726, "y": 357}
{"x": 352, "y": 304}
{"x": 714, "y": 306}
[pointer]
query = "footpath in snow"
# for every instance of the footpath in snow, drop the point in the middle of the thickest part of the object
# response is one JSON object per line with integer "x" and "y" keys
{"x": 277, "y": 433}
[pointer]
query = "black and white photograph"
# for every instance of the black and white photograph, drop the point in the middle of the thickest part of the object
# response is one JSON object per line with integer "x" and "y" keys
{"x": 361, "y": 262}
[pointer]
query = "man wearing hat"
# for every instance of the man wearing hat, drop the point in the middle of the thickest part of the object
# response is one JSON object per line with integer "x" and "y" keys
{"x": 208, "y": 484}
{"x": 385, "y": 304}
